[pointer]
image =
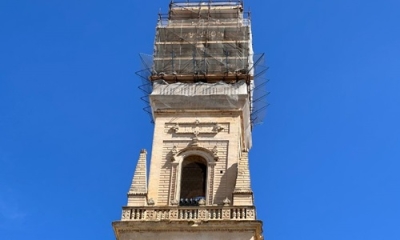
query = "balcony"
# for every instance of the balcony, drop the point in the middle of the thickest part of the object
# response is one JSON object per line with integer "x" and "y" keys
{"x": 202, "y": 213}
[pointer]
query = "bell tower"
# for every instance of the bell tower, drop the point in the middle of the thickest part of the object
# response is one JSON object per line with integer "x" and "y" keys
{"x": 201, "y": 81}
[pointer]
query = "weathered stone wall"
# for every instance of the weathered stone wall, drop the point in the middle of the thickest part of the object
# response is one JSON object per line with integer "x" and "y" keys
{"x": 218, "y": 133}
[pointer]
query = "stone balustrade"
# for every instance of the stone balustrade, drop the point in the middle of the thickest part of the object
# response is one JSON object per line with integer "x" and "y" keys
{"x": 187, "y": 213}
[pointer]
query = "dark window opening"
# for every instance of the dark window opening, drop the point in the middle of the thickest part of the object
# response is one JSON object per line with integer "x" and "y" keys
{"x": 193, "y": 180}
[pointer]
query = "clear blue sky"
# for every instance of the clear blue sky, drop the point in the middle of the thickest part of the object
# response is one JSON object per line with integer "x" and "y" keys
{"x": 325, "y": 163}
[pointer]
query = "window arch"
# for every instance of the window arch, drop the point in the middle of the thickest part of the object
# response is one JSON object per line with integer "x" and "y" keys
{"x": 193, "y": 184}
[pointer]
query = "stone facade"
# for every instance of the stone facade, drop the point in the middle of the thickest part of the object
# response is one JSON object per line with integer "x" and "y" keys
{"x": 196, "y": 135}
{"x": 199, "y": 179}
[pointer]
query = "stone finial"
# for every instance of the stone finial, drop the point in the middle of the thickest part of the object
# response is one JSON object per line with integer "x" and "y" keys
{"x": 227, "y": 202}
{"x": 243, "y": 194}
{"x": 150, "y": 202}
{"x": 243, "y": 176}
{"x": 202, "y": 202}
{"x": 139, "y": 182}
{"x": 138, "y": 190}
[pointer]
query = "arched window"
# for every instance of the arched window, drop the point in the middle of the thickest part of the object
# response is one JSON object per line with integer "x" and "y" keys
{"x": 193, "y": 180}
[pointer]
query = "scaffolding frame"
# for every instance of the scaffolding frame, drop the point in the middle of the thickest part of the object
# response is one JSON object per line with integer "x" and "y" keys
{"x": 203, "y": 41}
{"x": 206, "y": 41}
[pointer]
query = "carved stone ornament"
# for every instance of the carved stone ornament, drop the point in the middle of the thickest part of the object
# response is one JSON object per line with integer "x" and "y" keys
{"x": 174, "y": 152}
{"x": 173, "y": 214}
{"x": 197, "y": 128}
{"x": 175, "y": 128}
{"x": 195, "y": 142}
{"x": 150, "y": 214}
{"x": 215, "y": 153}
{"x": 250, "y": 213}
{"x": 150, "y": 202}
{"x": 174, "y": 202}
{"x": 196, "y": 223}
{"x": 226, "y": 214}
{"x": 126, "y": 214}
{"x": 196, "y": 132}
{"x": 203, "y": 214}
{"x": 227, "y": 202}
{"x": 218, "y": 128}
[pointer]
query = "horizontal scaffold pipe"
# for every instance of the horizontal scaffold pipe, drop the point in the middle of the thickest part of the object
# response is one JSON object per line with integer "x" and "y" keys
{"x": 202, "y": 41}
{"x": 199, "y": 58}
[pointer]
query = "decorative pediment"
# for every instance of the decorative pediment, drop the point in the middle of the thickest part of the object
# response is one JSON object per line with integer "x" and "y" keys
{"x": 176, "y": 155}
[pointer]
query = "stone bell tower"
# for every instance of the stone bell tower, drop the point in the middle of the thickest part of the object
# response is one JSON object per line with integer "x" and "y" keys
{"x": 201, "y": 99}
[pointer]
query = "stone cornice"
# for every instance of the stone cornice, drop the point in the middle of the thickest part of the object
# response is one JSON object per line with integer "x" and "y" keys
{"x": 137, "y": 194}
{"x": 254, "y": 226}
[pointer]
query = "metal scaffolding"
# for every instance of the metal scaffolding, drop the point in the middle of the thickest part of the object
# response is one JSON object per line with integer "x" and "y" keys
{"x": 203, "y": 41}
{"x": 206, "y": 41}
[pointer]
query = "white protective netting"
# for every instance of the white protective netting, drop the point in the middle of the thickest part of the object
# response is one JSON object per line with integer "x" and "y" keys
{"x": 212, "y": 96}
{"x": 204, "y": 48}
